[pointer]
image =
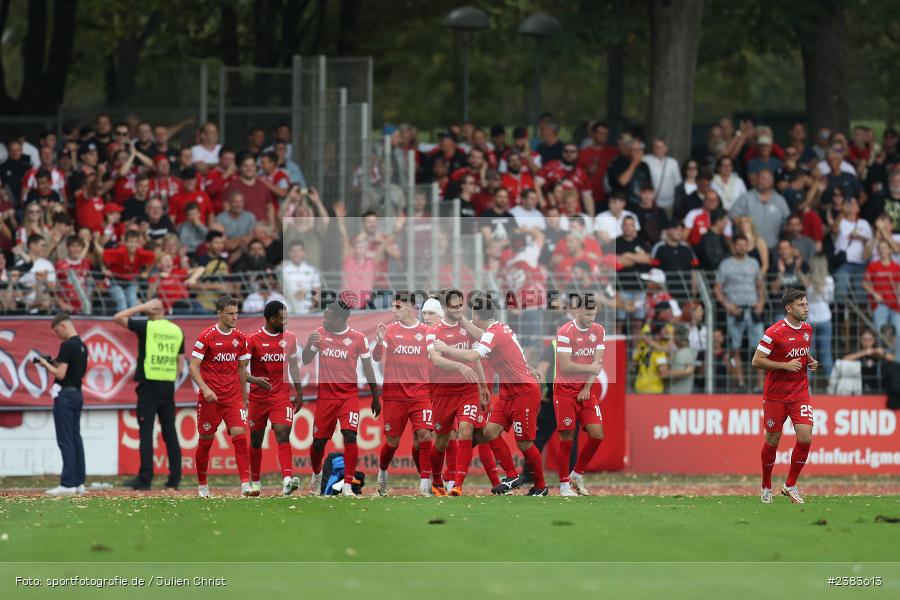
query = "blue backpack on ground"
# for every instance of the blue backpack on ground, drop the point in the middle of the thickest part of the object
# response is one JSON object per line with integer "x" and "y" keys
{"x": 333, "y": 472}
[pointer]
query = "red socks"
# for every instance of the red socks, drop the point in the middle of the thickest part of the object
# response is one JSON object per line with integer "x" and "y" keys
{"x": 768, "y": 463}
{"x": 351, "y": 452}
{"x": 316, "y": 457}
{"x": 437, "y": 465}
{"x": 425, "y": 460}
{"x": 285, "y": 459}
{"x": 562, "y": 459}
{"x": 489, "y": 463}
{"x": 798, "y": 459}
{"x": 202, "y": 459}
{"x": 416, "y": 456}
{"x": 255, "y": 463}
{"x": 502, "y": 453}
{"x": 536, "y": 465}
{"x": 242, "y": 456}
{"x": 462, "y": 462}
{"x": 452, "y": 448}
{"x": 386, "y": 456}
{"x": 586, "y": 454}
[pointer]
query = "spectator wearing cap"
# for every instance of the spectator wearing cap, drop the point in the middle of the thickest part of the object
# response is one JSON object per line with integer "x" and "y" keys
{"x": 155, "y": 223}
{"x": 126, "y": 264}
{"x": 628, "y": 171}
{"x": 14, "y": 168}
{"x": 740, "y": 291}
{"x": 162, "y": 183}
{"x": 652, "y": 219}
{"x": 608, "y": 224}
{"x": 237, "y": 222}
{"x": 712, "y": 248}
{"x": 595, "y": 159}
{"x": 190, "y": 194}
{"x": 766, "y": 208}
{"x": 763, "y": 159}
{"x": 258, "y": 199}
{"x": 665, "y": 174}
{"x": 566, "y": 171}
{"x": 205, "y": 155}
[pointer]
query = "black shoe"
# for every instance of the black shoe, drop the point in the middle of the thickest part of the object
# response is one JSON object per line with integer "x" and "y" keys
{"x": 537, "y": 492}
{"x": 136, "y": 484}
{"x": 506, "y": 486}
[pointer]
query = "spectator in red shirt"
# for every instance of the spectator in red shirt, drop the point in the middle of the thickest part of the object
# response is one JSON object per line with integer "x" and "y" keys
{"x": 113, "y": 227}
{"x": 515, "y": 180}
{"x": 882, "y": 282}
{"x": 257, "y": 197}
{"x": 71, "y": 270}
{"x": 89, "y": 205}
{"x": 595, "y": 160}
{"x": 125, "y": 265}
{"x": 479, "y": 140}
{"x": 531, "y": 160}
{"x": 272, "y": 176}
{"x": 163, "y": 184}
{"x": 477, "y": 167}
{"x": 569, "y": 173}
{"x": 190, "y": 194}
{"x": 215, "y": 179}
{"x": 172, "y": 286}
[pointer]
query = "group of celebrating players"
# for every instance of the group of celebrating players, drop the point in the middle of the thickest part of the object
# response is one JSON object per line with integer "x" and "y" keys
{"x": 439, "y": 374}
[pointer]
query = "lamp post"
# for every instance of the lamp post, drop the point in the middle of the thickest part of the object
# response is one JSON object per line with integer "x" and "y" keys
{"x": 466, "y": 21}
{"x": 539, "y": 27}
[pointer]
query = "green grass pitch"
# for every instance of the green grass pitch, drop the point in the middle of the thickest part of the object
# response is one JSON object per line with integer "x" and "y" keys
{"x": 640, "y": 546}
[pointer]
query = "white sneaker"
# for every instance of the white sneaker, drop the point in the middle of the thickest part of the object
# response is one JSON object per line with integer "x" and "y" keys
{"x": 62, "y": 490}
{"x": 449, "y": 485}
{"x": 289, "y": 485}
{"x": 425, "y": 487}
{"x": 793, "y": 493}
{"x": 315, "y": 484}
{"x": 247, "y": 489}
{"x": 347, "y": 490}
{"x": 382, "y": 488}
{"x": 565, "y": 489}
{"x": 765, "y": 495}
{"x": 577, "y": 481}
{"x": 203, "y": 491}
{"x": 81, "y": 489}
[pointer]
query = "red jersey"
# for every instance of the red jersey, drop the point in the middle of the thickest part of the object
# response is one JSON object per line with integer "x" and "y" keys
{"x": 123, "y": 187}
{"x": 581, "y": 344}
{"x": 339, "y": 353}
{"x": 516, "y": 184}
{"x": 444, "y": 382}
{"x": 783, "y": 342}
{"x": 89, "y": 211}
{"x": 57, "y": 180}
{"x": 500, "y": 345}
{"x": 81, "y": 271}
{"x": 213, "y": 183}
{"x": 278, "y": 178}
{"x": 884, "y": 280}
{"x": 178, "y": 206}
{"x": 220, "y": 354}
{"x": 269, "y": 356}
{"x": 127, "y": 267}
{"x": 166, "y": 187}
{"x": 406, "y": 364}
{"x": 595, "y": 161}
{"x": 171, "y": 287}
{"x": 556, "y": 171}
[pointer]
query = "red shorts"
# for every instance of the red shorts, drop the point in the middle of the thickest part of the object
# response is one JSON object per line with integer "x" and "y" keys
{"x": 569, "y": 410}
{"x": 447, "y": 409}
{"x": 776, "y": 413}
{"x": 210, "y": 414}
{"x": 397, "y": 412}
{"x": 518, "y": 410}
{"x": 328, "y": 412}
{"x": 277, "y": 412}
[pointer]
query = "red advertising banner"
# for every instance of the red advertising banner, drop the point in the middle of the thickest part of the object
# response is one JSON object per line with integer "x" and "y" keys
{"x": 370, "y": 438}
{"x": 112, "y": 353}
{"x": 697, "y": 434}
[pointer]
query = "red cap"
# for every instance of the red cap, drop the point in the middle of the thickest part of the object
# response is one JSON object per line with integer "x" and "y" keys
{"x": 112, "y": 207}
{"x": 160, "y": 157}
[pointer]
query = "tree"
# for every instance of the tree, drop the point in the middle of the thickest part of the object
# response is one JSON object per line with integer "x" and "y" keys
{"x": 824, "y": 49}
{"x": 675, "y": 37}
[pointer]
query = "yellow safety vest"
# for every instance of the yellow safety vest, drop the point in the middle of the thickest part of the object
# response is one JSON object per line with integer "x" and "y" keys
{"x": 164, "y": 342}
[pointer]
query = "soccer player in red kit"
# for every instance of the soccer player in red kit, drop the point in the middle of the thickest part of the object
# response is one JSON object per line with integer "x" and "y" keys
{"x": 403, "y": 349}
{"x": 272, "y": 349}
{"x": 579, "y": 357}
{"x": 339, "y": 348}
{"x": 784, "y": 354}
{"x": 520, "y": 394}
{"x": 219, "y": 368}
{"x": 458, "y": 392}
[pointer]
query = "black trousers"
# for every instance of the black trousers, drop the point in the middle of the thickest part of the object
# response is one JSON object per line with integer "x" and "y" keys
{"x": 67, "y": 420}
{"x": 157, "y": 399}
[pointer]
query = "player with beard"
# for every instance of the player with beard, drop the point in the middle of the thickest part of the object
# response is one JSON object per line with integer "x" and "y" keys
{"x": 272, "y": 351}
{"x": 567, "y": 172}
{"x": 784, "y": 354}
{"x": 339, "y": 348}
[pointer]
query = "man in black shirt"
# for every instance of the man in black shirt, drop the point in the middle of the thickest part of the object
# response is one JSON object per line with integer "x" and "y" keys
{"x": 677, "y": 260}
{"x": 159, "y": 366}
{"x": 68, "y": 368}
{"x": 712, "y": 248}
{"x": 497, "y": 222}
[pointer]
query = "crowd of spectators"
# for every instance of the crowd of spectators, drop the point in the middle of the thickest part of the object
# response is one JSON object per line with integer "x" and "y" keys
{"x": 121, "y": 211}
